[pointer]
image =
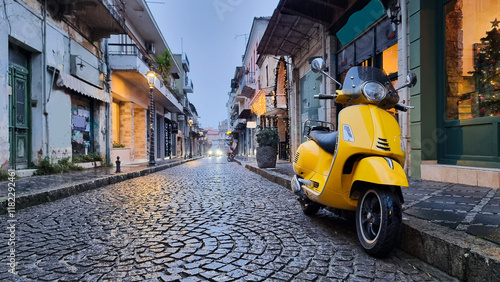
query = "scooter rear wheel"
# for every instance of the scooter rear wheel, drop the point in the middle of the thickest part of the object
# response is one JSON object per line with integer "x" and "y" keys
{"x": 378, "y": 220}
{"x": 309, "y": 207}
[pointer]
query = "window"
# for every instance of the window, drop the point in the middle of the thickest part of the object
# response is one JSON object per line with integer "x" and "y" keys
{"x": 81, "y": 125}
{"x": 390, "y": 60}
{"x": 472, "y": 46}
{"x": 115, "y": 115}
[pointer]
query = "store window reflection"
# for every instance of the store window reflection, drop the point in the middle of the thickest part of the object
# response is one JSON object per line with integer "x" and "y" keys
{"x": 472, "y": 59}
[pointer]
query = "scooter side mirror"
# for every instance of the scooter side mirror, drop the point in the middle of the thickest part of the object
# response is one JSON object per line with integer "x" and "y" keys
{"x": 318, "y": 65}
{"x": 411, "y": 79}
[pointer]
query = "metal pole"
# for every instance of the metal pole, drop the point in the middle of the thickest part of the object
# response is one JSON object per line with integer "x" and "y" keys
{"x": 152, "y": 160}
{"x": 190, "y": 143}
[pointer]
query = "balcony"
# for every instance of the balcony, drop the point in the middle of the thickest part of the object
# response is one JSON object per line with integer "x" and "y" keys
{"x": 188, "y": 85}
{"x": 104, "y": 17}
{"x": 130, "y": 63}
{"x": 185, "y": 62}
{"x": 127, "y": 57}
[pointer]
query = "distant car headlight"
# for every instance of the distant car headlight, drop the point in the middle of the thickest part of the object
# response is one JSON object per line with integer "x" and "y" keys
{"x": 219, "y": 153}
{"x": 374, "y": 91}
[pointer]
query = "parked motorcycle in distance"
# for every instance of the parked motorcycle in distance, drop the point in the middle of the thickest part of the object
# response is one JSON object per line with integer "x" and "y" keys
{"x": 231, "y": 151}
{"x": 360, "y": 166}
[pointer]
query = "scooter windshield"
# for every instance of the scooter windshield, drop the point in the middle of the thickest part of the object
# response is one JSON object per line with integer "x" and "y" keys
{"x": 356, "y": 76}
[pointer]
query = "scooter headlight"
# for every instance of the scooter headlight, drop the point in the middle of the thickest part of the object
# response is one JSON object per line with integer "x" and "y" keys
{"x": 374, "y": 91}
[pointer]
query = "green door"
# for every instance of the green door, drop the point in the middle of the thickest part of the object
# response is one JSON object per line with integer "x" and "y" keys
{"x": 19, "y": 117}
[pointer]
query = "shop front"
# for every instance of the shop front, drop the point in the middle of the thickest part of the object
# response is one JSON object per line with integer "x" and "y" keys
{"x": 469, "y": 98}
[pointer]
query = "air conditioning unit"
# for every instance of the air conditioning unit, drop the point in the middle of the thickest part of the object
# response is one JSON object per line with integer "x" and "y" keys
{"x": 150, "y": 47}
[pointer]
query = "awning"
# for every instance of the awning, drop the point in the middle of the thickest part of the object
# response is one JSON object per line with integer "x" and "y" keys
{"x": 68, "y": 81}
{"x": 278, "y": 112}
{"x": 292, "y": 25}
{"x": 247, "y": 91}
{"x": 245, "y": 114}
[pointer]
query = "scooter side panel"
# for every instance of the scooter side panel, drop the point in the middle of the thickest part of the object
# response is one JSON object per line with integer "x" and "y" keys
{"x": 312, "y": 163}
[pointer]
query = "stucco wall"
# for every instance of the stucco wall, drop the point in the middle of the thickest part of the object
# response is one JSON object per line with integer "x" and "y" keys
{"x": 422, "y": 54}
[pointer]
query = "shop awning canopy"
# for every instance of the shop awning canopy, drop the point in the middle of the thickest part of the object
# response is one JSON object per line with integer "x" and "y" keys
{"x": 278, "y": 112}
{"x": 245, "y": 114}
{"x": 68, "y": 81}
{"x": 292, "y": 24}
{"x": 248, "y": 91}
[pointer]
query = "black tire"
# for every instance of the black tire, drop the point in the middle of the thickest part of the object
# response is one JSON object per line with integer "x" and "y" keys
{"x": 309, "y": 207}
{"x": 378, "y": 220}
{"x": 230, "y": 157}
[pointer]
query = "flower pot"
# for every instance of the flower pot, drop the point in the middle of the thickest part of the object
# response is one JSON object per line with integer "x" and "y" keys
{"x": 266, "y": 157}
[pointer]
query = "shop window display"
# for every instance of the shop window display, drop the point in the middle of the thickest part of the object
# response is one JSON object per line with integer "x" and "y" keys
{"x": 81, "y": 124}
{"x": 472, "y": 59}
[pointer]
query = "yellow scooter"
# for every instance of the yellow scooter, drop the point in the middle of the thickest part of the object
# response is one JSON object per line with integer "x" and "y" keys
{"x": 360, "y": 166}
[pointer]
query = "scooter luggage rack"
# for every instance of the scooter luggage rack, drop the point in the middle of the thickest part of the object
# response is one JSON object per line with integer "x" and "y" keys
{"x": 310, "y": 125}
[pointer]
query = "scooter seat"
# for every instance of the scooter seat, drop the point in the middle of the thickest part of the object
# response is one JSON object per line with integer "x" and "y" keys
{"x": 326, "y": 140}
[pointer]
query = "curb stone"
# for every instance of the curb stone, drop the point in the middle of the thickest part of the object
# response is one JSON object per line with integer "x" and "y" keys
{"x": 459, "y": 254}
{"x": 48, "y": 195}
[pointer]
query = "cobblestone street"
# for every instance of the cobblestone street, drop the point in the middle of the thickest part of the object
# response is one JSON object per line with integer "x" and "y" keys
{"x": 206, "y": 220}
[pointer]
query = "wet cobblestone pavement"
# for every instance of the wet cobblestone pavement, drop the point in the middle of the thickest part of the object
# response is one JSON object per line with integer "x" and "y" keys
{"x": 206, "y": 220}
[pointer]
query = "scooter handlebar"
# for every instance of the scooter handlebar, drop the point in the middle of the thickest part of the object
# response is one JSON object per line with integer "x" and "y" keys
{"x": 324, "y": 96}
{"x": 403, "y": 108}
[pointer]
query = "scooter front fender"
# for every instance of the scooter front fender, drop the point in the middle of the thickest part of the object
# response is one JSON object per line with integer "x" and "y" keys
{"x": 380, "y": 170}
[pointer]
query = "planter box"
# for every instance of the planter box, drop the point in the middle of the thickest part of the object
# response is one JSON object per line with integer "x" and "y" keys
{"x": 123, "y": 153}
{"x": 266, "y": 157}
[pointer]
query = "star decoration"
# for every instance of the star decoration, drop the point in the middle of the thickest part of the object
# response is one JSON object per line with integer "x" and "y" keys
{"x": 495, "y": 23}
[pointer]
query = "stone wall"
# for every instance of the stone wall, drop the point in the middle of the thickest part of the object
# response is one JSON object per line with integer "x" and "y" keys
{"x": 140, "y": 137}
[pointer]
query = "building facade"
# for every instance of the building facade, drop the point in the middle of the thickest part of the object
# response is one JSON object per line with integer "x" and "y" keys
{"x": 450, "y": 45}
{"x": 246, "y": 85}
{"x": 183, "y": 86}
{"x": 130, "y": 57}
{"x": 55, "y": 100}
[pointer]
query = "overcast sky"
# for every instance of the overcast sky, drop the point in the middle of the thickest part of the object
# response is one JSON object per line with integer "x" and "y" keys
{"x": 213, "y": 37}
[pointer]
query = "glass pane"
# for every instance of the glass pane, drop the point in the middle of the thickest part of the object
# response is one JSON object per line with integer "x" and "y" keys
{"x": 20, "y": 150}
{"x": 345, "y": 58}
{"x": 390, "y": 59}
{"x": 472, "y": 59}
{"x": 80, "y": 125}
{"x": 310, "y": 86}
{"x": 20, "y": 103}
{"x": 386, "y": 36}
{"x": 364, "y": 47}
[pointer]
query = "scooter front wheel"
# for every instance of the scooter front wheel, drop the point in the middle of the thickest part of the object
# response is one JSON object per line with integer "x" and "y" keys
{"x": 378, "y": 220}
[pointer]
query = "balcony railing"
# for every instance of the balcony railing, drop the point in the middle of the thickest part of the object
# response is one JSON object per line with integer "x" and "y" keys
{"x": 188, "y": 85}
{"x": 126, "y": 49}
{"x": 185, "y": 62}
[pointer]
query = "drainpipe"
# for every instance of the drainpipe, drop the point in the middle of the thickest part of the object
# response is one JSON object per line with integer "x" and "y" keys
{"x": 108, "y": 105}
{"x": 406, "y": 96}
{"x": 45, "y": 133}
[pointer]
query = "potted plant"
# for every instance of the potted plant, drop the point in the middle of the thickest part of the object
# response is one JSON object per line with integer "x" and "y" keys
{"x": 267, "y": 141}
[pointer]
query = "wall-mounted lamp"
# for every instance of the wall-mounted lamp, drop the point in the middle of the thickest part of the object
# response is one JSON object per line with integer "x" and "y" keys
{"x": 393, "y": 13}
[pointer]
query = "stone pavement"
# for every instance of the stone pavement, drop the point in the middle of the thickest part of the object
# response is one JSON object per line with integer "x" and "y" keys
{"x": 35, "y": 190}
{"x": 450, "y": 226}
{"x": 206, "y": 220}
{"x": 454, "y": 227}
